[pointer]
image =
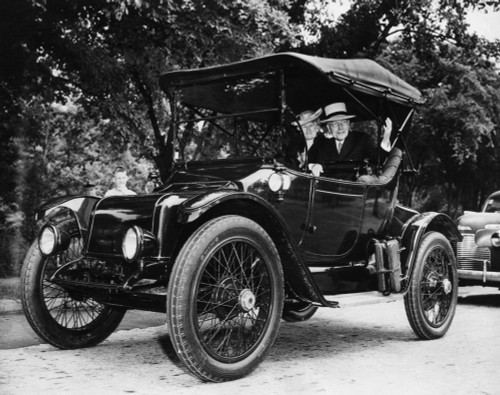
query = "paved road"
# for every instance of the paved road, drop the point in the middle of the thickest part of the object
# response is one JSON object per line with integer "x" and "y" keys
{"x": 16, "y": 332}
{"x": 359, "y": 350}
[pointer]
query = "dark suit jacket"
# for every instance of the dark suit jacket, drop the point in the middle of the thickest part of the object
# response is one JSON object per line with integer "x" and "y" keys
{"x": 357, "y": 147}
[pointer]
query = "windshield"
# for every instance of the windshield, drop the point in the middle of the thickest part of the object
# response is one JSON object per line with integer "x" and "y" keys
{"x": 492, "y": 205}
{"x": 227, "y": 139}
{"x": 229, "y": 118}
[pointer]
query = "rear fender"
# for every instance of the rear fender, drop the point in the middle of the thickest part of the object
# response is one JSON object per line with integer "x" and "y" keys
{"x": 298, "y": 277}
{"x": 415, "y": 229}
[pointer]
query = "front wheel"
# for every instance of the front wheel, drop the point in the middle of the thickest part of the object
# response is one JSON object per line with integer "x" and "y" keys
{"x": 225, "y": 299}
{"x": 63, "y": 319}
{"x": 432, "y": 296}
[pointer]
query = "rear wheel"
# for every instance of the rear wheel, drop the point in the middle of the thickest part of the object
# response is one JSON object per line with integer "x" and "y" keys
{"x": 63, "y": 319}
{"x": 432, "y": 297}
{"x": 225, "y": 299}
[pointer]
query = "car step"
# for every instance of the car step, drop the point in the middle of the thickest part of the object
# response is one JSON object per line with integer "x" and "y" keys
{"x": 483, "y": 276}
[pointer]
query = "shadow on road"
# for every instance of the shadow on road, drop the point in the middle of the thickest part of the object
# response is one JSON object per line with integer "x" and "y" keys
{"x": 168, "y": 348}
{"x": 490, "y": 300}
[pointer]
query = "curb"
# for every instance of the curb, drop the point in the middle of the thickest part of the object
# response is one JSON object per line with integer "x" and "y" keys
{"x": 8, "y": 306}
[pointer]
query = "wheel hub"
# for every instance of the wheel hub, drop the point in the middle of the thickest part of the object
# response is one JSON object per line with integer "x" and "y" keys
{"x": 432, "y": 281}
{"x": 447, "y": 287}
{"x": 246, "y": 300}
{"x": 227, "y": 296}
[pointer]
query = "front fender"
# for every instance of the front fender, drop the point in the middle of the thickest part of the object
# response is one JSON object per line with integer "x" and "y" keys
{"x": 194, "y": 208}
{"x": 417, "y": 227}
{"x": 79, "y": 207}
{"x": 297, "y": 275}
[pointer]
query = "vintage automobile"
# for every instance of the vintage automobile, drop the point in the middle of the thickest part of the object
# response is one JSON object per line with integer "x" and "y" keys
{"x": 229, "y": 247}
{"x": 478, "y": 254}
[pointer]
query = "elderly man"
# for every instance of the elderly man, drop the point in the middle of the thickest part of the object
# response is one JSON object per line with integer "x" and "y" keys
{"x": 339, "y": 143}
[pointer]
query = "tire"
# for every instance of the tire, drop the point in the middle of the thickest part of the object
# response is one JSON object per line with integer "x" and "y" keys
{"x": 431, "y": 300}
{"x": 225, "y": 298}
{"x": 298, "y": 312}
{"x": 62, "y": 319}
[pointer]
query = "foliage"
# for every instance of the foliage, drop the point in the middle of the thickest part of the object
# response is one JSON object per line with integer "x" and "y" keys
{"x": 427, "y": 43}
{"x": 114, "y": 52}
{"x": 57, "y": 150}
{"x": 103, "y": 60}
{"x": 369, "y": 26}
{"x": 12, "y": 245}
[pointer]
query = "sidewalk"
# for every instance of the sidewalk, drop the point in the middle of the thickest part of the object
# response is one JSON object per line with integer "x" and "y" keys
{"x": 8, "y": 306}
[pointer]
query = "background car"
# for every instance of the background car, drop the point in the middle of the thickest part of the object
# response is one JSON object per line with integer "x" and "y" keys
{"x": 478, "y": 254}
{"x": 492, "y": 203}
{"x": 228, "y": 247}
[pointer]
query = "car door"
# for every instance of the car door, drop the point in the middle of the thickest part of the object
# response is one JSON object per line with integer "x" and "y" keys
{"x": 294, "y": 207}
{"x": 335, "y": 217}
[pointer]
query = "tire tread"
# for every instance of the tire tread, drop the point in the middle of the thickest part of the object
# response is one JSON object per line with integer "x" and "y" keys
{"x": 176, "y": 308}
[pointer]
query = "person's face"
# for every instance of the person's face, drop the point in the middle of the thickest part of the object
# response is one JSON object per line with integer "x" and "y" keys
{"x": 224, "y": 151}
{"x": 121, "y": 179}
{"x": 310, "y": 130}
{"x": 337, "y": 129}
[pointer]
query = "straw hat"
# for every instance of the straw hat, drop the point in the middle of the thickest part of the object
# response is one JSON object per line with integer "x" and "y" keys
{"x": 336, "y": 112}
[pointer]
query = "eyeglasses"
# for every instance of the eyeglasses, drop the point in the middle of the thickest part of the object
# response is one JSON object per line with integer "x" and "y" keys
{"x": 337, "y": 124}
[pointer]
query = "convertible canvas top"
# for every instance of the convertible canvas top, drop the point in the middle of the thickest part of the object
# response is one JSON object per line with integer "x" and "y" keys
{"x": 310, "y": 82}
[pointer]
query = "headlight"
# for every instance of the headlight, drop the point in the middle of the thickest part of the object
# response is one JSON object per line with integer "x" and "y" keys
{"x": 52, "y": 240}
{"x": 275, "y": 182}
{"x": 495, "y": 239}
{"x": 138, "y": 243}
{"x": 130, "y": 244}
{"x": 279, "y": 182}
{"x": 286, "y": 182}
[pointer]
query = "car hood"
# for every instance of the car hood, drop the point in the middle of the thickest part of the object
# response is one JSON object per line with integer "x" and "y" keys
{"x": 230, "y": 170}
{"x": 114, "y": 215}
{"x": 472, "y": 222}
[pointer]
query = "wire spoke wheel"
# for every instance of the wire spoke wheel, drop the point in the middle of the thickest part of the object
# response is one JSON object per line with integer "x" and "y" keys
{"x": 63, "y": 318}
{"x": 432, "y": 297}
{"x": 436, "y": 288}
{"x": 68, "y": 311}
{"x": 225, "y": 299}
{"x": 234, "y": 299}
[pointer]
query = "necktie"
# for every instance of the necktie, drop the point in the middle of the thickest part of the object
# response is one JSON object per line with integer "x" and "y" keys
{"x": 339, "y": 146}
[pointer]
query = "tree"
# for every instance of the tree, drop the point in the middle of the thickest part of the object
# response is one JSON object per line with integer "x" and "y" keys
{"x": 105, "y": 59}
{"x": 427, "y": 43}
{"x": 112, "y": 53}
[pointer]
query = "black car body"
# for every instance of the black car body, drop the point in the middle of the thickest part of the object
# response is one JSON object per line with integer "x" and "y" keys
{"x": 478, "y": 254}
{"x": 229, "y": 247}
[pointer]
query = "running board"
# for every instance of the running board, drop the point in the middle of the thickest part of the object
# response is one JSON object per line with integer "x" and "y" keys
{"x": 362, "y": 298}
{"x": 483, "y": 276}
